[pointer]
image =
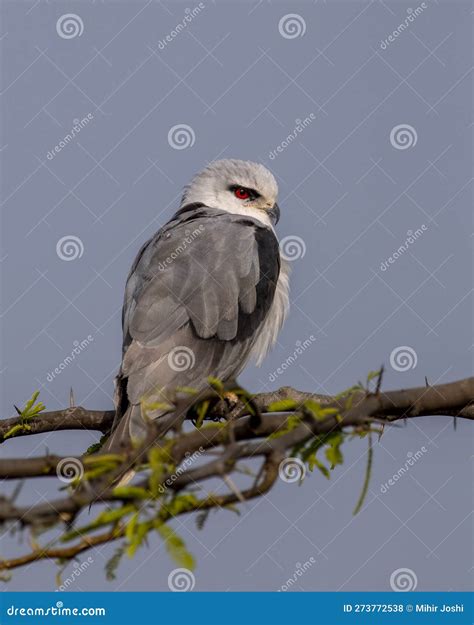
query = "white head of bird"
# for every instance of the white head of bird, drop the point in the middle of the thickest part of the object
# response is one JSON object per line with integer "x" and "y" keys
{"x": 239, "y": 187}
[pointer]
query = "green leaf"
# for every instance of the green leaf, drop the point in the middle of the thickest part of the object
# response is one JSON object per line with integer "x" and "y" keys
{"x": 104, "y": 459}
{"x": 112, "y": 564}
{"x": 30, "y": 410}
{"x": 202, "y": 411}
{"x": 158, "y": 469}
{"x": 16, "y": 428}
{"x": 284, "y": 405}
{"x": 139, "y": 534}
{"x": 93, "y": 473}
{"x": 292, "y": 422}
{"x": 216, "y": 384}
{"x": 107, "y": 517}
{"x": 111, "y": 516}
{"x": 187, "y": 389}
{"x": 131, "y": 526}
{"x": 156, "y": 405}
{"x": 130, "y": 492}
{"x": 349, "y": 392}
{"x": 97, "y": 446}
{"x": 175, "y": 546}
{"x": 180, "y": 504}
{"x": 368, "y": 472}
{"x": 318, "y": 411}
{"x": 313, "y": 461}
{"x": 373, "y": 374}
{"x": 333, "y": 450}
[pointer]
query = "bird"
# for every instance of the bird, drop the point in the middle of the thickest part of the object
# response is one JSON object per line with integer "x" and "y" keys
{"x": 206, "y": 294}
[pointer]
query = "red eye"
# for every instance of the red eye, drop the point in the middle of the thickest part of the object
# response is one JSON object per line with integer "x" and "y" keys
{"x": 241, "y": 193}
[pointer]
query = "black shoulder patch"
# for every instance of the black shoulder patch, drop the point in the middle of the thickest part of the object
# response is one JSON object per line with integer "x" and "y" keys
{"x": 269, "y": 262}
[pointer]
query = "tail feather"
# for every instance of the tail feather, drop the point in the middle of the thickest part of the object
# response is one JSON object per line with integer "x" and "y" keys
{"x": 127, "y": 427}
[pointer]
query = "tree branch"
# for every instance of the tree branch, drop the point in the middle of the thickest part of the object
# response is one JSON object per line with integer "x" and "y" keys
{"x": 79, "y": 418}
{"x": 290, "y": 421}
{"x": 76, "y": 418}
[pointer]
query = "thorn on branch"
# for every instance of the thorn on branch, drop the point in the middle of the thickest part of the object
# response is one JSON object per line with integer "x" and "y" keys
{"x": 72, "y": 403}
{"x": 379, "y": 380}
{"x": 233, "y": 487}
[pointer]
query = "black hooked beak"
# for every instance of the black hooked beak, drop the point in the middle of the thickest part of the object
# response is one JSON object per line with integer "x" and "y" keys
{"x": 274, "y": 213}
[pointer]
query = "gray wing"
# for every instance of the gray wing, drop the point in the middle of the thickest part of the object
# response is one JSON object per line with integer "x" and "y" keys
{"x": 203, "y": 285}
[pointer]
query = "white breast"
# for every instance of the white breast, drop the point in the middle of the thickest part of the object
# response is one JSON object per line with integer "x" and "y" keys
{"x": 276, "y": 316}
